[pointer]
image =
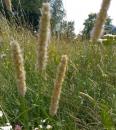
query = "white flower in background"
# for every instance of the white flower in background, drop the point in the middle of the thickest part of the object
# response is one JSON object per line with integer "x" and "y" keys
{"x": 1, "y": 113}
{"x": 2, "y": 56}
{"x": 45, "y": 125}
{"x": 36, "y": 129}
{"x": 40, "y": 126}
{"x": 8, "y": 124}
{"x": 48, "y": 127}
{"x": 7, "y": 127}
{"x": 43, "y": 121}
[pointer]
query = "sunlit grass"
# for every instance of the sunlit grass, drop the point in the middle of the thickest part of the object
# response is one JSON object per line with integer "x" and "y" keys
{"x": 89, "y": 89}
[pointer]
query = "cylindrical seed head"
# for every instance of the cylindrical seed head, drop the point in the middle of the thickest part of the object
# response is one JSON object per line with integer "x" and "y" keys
{"x": 58, "y": 86}
{"x": 43, "y": 40}
{"x": 98, "y": 27}
{"x": 19, "y": 67}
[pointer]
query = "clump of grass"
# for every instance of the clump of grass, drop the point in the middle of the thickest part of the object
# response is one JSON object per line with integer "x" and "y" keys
{"x": 98, "y": 27}
{"x": 19, "y": 65}
{"x": 43, "y": 38}
{"x": 58, "y": 86}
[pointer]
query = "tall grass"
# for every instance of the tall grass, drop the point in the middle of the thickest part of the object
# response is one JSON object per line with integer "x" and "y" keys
{"x": 43, "y": 38}
{"x": 88, "y": 99}
{"x": 19, "y": 65}
{"x": 101, "y": 18}
{"x": 58, "y": 86}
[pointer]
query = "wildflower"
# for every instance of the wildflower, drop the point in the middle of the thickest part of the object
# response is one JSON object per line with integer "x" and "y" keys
{"x": 43, "y": 37}
{"x": 41, "y": 126}
{"x": 58, "y": 86}
{"x": 44, "y": 124}
{"x": 1, "y": 113}
{"x": 48, "y": 127}
{"x": 8, "y": 124}
{"x": 36, "y": 129}
{"x": 43, "y": 121}
{"x": 7, "y": 127}
{"x": 2, "y": 56}
{"x": 18, "y": 127}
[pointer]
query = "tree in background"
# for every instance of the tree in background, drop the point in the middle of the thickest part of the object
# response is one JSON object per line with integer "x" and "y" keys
{"x": 31, "y": 5}
{"x": 108, "y": 27}
{"x": 60, "y": 27}
{"x": 58, "y": 14}
{"x": 67, "y": 29}
{"x": 28, "y": 12}
{"x": 89, "y": 24}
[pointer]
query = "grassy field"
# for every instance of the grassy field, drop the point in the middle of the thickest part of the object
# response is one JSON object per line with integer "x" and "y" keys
{"x": 88, "y": 98}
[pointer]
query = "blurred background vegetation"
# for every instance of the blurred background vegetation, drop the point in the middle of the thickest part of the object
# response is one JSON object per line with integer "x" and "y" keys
{"x": 28, "y": 12}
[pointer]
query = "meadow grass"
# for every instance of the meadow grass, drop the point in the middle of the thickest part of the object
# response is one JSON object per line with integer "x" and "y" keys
{"x": 88, "y": 98}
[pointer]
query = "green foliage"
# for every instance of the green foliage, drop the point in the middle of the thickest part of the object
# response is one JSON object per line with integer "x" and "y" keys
{"x": 91, "y": 70}
{"x": 88, "y": 25}
{"x": 67, "y": 29}
{"x": 29, "y": 12}
{"x": 58, "y": 14}
{"x": 27, "y": 5}
{"x": 106, "y": 118}
{"x": 31, "y": 5}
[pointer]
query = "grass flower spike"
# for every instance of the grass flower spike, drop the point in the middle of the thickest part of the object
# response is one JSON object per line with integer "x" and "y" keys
{"x": 43, "y": 37}
{"x": 58, "y": 85}
{"x": 8, "y": 5}
{"x": 98, "y": 27}
{"x": 19, "y": 65}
